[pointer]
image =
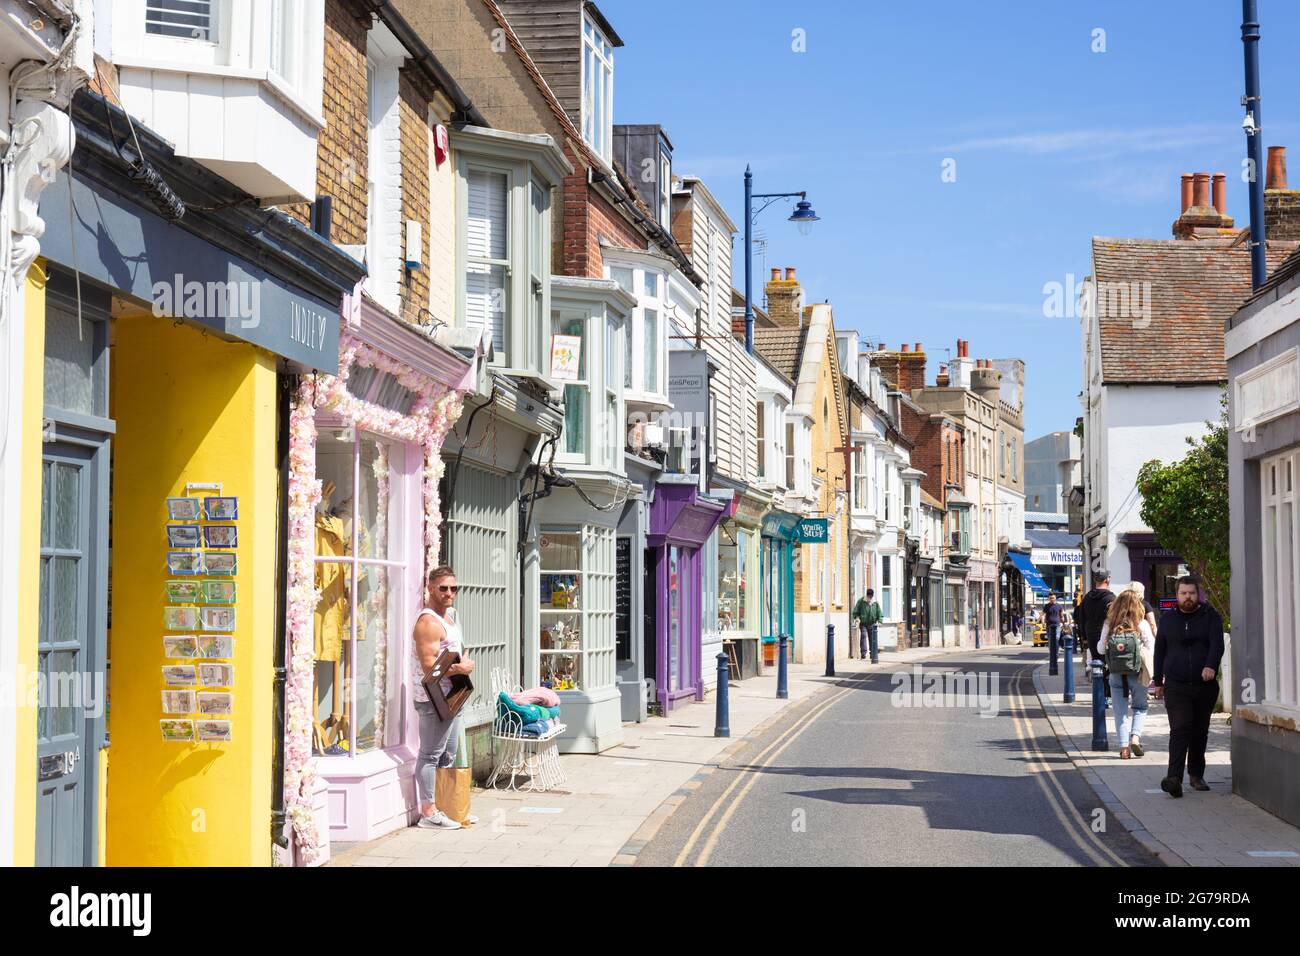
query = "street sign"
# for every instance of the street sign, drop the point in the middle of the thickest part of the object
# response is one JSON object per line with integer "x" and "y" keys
{"x": 812, "y": 531}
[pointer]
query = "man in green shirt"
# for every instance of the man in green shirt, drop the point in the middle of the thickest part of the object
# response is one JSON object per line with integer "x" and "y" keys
{"x": 868, "y": 615}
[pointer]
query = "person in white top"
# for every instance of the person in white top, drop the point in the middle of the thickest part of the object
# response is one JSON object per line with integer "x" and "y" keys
{"x": 436, "y": 628}
{"x": 1128, "y": 690}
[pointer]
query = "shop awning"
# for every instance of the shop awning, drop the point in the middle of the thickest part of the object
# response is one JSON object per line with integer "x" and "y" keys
{"x": 780, "y": 524}
{"x": 1031, "y": 574}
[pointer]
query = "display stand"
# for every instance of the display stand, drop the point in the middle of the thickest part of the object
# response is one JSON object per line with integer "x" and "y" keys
{"x": 518, "y": 755}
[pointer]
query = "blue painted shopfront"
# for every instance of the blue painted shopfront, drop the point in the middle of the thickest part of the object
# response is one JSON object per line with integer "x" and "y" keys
{"x": 777, "y": 568}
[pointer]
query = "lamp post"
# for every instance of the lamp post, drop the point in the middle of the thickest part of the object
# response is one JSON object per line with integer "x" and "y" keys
{"x": 803, "y": 216}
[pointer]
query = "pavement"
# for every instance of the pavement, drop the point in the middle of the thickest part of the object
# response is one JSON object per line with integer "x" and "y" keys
{"x": 1215, "y": 828}
{"x": 613, "y": 803}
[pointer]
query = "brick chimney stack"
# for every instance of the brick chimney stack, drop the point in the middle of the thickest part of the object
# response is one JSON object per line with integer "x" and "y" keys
{"x": 1200, "y": 215}
{"x": 785, "y": 299}
{"x": 904, "y": 370}
{"x": 1281, "y": 204}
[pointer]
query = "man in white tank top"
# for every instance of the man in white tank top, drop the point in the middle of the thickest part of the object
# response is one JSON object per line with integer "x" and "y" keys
{"x": 437, "y": 628}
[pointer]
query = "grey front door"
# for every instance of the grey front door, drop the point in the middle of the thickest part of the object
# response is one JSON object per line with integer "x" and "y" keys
{"x": 70, "y": 649}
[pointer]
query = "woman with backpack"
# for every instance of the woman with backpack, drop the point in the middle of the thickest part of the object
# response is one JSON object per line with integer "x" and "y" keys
{"x": 1126, "y": 643}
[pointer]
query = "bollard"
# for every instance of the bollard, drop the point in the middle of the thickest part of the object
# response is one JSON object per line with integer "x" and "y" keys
{"x": 722, "y": 723}
{"x": 830, "y": 650}
{"x": 1098, "y": 707}
{"x": 1069, "y": 668}
{"x": 782, "y": 678}
{"x": 873, "y": 635}
{"x": 1053, "y": 641}
{"x": 977, "y": 635}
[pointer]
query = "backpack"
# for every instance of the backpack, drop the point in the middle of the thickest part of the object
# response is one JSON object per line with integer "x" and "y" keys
{"x": 1124, "y": 653}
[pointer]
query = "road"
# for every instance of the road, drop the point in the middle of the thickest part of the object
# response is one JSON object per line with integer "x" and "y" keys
{"x": 851, "y": 777}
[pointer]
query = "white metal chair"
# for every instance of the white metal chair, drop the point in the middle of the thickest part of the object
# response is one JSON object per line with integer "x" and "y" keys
{"x": 516, "y": 754}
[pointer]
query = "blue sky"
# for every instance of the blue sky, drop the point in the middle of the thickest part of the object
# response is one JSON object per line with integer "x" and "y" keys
{"x": 1053, "y": 144}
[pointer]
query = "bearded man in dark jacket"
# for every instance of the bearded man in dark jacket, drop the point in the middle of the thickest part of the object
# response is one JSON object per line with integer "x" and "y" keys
{"x": 1092, "y": 611}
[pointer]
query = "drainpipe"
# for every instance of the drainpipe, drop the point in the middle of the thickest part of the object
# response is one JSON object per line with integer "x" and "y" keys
{"x": 288, "y": 386}
{"x": 1254, "y": 142}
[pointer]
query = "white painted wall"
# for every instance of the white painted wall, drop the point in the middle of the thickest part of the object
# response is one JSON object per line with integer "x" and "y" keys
{"x": 441, "y": 230}
{"x": 1143, "y": 422}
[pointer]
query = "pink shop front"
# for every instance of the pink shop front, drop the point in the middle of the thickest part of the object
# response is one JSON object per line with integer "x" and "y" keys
{"x": 363, "y": 526}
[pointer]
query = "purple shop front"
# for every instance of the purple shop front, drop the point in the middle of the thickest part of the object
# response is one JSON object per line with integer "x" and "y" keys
{"x": 680, "y": 523}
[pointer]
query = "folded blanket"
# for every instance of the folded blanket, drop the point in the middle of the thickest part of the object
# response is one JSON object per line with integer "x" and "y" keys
{"x": 527, "y": 713}
{"x": 536, "y": 729}
{"x": 538, "y": 695}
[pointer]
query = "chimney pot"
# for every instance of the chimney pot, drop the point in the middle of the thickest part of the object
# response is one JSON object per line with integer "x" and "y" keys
{"x": 1187, "y": 192}
{"x": 917, "y": 348}
{"x": 789, "y": 274}
{"x": 776, "y": 275}
{"x": 1201, "y": 189}
{"x": 904, "y": 346}
{"x": 1219, "y": 186}
{"x": 1276, "y": 168}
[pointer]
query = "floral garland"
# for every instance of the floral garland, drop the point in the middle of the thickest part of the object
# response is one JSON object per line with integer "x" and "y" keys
{"x": 378, "y": 600}
{"x": 432, "y": 415}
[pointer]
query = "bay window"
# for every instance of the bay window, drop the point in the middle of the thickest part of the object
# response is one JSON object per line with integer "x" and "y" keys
{"x": 577, "y": 391}
{"x": 504, "y": 184}
{"x": 887, "y": 586}
{"x": 645, "y": 339}
{"x": 761, "y": 430}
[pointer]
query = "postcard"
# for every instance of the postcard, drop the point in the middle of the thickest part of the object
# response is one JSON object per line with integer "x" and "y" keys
{"x": 216, "y": 645}
{"x": 216, "y": 619}
{"x": 219, "y": 536}
{"x": 177, "y": 729}
{"x": 221, "y": 509}
{"x": 183, "y": 509}
{"x": 214, "y": 702}
{"x": 183, "y": 535}
{"x": 176, "y": 645}
{"x": 178, "y": 702}
{"x": 216, "y": 675}
{"x": 214, "y": 730}
{"x": 184, "y": 592}
{"x": 185, "y": 562}
{"x": 218, "y": 592}
{"x": 179, "y": 674}
{"x": 183, "y": 619}
{"x": 220, "y": 563}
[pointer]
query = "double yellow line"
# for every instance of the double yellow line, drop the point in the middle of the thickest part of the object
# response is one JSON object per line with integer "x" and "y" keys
{"x": 749, "y": 776}
{"x": 1071, "y": 820}
{"x": 1067, "y": 814}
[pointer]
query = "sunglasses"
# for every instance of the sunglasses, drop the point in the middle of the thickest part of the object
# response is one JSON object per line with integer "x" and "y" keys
{"x": 448, "y": 588}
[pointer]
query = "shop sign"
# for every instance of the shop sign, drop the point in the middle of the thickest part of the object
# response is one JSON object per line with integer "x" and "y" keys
{"x": 1050, "y": 556}
{"x": 813, "y": 531}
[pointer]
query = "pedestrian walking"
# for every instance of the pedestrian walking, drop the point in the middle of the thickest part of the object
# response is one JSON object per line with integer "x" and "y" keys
{"x": 1092, "y": 615}
{"x": 1189, "y": 647}
{"x": 1124, "y": 636}
{"x": 1141, "y": 590}
{"x": 437, "y": 628}
{"x": 1052, "y": 620}
{"x": 868, "y": 615}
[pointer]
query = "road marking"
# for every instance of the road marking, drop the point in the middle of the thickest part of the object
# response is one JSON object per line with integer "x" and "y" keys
{"x": 1065, "y": 801}
{"x": 1272, "y": 853}
{"x": 541, "y": 809}
{"x": 797, "y": 727}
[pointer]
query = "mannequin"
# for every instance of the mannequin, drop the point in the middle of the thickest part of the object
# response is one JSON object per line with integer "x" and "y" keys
{"x": 333, "y": 539}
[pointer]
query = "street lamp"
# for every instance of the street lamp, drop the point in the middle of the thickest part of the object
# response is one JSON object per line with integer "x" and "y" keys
{"x": 803, "y": 217}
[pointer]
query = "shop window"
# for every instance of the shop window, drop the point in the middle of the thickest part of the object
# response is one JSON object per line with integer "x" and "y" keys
{"x": 362, "y": 576}
{"x": 886, "y": 586}
{"x": 733, "y": 579}
{"x": 679, "y": 603}
{"x": 1281, "y": 572}
{"x": 578, "y": 640}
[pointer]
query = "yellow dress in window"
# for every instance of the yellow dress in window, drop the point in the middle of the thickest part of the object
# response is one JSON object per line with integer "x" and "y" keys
{"x": 331, "y": 619}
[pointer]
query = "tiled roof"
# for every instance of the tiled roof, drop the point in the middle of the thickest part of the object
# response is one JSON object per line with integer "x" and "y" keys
{"x": 782, "y": 349}
{"x": 1195, "y": 285}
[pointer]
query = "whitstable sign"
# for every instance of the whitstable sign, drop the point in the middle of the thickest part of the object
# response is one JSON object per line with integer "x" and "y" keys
{"x": 1041, "y": 556}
